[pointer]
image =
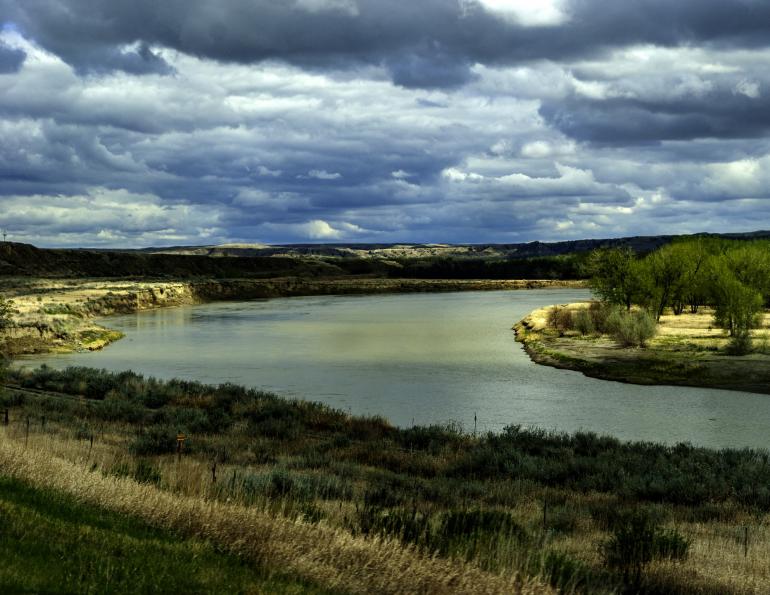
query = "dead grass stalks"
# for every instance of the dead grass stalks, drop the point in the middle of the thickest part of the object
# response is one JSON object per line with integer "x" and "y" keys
{"x": 324, "y": 555}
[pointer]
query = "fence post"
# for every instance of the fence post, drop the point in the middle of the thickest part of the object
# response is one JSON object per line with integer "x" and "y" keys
{"x": 179, "y": 444}
{"x": 26, "y": 434}
{"x": 214, "y": 472}
{"x": 746, "y": 541}
{"x": 5, "y": 418}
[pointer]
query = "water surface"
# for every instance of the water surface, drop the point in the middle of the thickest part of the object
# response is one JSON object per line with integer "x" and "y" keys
{"x": 417, "y": 358}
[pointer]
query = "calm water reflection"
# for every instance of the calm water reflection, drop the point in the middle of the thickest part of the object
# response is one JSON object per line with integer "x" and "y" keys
{"x": 423, "y": 357}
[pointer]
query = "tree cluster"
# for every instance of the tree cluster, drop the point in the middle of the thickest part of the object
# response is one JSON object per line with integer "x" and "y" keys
{"x": 732, "y": 277}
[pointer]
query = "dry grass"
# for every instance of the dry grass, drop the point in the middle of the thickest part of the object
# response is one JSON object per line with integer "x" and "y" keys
{"x": 186, "y": 504}
{"x": 321, "y": 554}
{"x": 688, "y": 350}
{"x": 717, "y": 561}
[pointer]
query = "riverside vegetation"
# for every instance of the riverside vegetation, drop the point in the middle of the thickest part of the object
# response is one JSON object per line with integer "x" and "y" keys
{"x": 693, "y": 312}
{"x": 422, "y": 509}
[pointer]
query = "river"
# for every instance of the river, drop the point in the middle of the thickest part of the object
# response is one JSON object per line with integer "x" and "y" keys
{"x": 417, "y": 358}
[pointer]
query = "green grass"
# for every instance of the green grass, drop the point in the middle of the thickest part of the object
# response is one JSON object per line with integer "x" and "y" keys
{"x": 49, "y": 543}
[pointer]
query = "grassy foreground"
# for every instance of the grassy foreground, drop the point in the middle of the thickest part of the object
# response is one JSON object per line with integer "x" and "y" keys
{"x": 355, "y": 505}
{"x": 687, "y": 350}
{"x": 52, "y": 543}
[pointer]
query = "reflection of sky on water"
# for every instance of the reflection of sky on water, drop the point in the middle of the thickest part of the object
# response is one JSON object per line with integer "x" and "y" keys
{"x": 427, "y": 357}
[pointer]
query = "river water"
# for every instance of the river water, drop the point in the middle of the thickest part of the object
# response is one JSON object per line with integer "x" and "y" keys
{"x": 417, "y": 358}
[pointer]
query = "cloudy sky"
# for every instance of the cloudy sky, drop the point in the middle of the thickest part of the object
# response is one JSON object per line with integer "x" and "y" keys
{"x": 147, "y": 122}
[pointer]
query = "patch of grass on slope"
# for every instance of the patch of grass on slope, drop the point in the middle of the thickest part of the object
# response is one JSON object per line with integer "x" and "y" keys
{"x": 49, "y": 543}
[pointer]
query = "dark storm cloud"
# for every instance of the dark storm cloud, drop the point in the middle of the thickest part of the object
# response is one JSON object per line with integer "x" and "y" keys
{"x": 628, "y": 121}
{"x": 427, "y": 43}
{"x": 138, "y": 60}
{"x": 11, "y": 59}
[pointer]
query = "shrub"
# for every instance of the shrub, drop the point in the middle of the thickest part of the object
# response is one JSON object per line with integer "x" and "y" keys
{"x": 632, "y": 329}
{"x": 638, "y": 540}
{"x": 600, "y": 312}
{"x": 560, "y": 319}
{"x": 740, "y": 343}
{"x": 584, "y": 323}
{"x": 156, "y": 440}
{"x": 274, "y": 419}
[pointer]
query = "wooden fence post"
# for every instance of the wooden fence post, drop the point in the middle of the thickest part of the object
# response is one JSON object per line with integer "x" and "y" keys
{"x": 746, "y": 542}
{"x": 179, "y": 444}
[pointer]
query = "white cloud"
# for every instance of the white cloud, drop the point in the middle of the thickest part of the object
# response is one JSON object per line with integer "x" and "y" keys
{"x": 537, "y": 149}
{"x": 106, "y": 216}
{"x": 739, "y": 179}
{"x": 530, "y": 13}
{"x": 320, "y": 230}
{"x": 347, "y": 6}
{"x": 322, "y": 174}
{"x": 748, "y": 88}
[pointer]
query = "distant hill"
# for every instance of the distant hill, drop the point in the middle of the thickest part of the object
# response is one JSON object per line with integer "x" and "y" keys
{"x": 25, "y": 260}
{"x": 533, "y": 260}
{"x": 640, "y": 244}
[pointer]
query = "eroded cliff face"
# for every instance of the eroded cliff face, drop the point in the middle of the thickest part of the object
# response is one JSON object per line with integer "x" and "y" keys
{"x": 59, "y": 316}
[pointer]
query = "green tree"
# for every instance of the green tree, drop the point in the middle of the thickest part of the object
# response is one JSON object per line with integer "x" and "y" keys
{"x": 692, "y": 288}
{"x": 665, "y": 269}
{"x": 616, "y": 276}
{"x": 737, "y": 306}
{"x": 750, "y": 263}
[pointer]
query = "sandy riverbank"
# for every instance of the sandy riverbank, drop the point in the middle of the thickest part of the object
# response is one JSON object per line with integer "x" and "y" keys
{"x": 59, "y": 315}
{"x": 687, "y": 351}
